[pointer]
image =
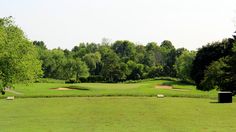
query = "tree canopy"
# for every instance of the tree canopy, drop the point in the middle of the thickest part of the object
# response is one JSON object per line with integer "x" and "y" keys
{"x": 184, "y": 64}
{"x": 18, "y": 57}
{"x": 208, "y": 54}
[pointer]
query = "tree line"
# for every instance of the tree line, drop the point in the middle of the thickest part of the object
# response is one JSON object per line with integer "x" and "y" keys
{"x": 21, "y": 60}
{"x": 110, "y": 62}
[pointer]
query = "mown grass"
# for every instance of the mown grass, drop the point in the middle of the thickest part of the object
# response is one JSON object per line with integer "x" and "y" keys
{"x": 142, "y": 88}
{"x": 141, "y": 112}
{"x": 111, "y": 114}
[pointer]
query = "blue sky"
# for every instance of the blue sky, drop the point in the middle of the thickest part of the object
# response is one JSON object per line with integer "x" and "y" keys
{"x": 66, "y": 23}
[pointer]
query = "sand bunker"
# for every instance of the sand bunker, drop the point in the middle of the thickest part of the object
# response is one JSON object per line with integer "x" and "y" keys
{"x": 64, "y": 89}
{"x": 164, "y": 87}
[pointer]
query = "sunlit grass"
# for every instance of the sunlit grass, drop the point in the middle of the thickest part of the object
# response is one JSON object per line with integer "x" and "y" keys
{"x": 142, "y": 88}
{"x": 123, "y": 114}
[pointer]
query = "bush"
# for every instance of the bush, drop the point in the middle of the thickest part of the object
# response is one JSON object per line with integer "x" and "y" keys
{"x": 166, "y": 78}
{"x": 82, "y": 79}
{"x": 49, "y": 80}
{"x": 95, "y": 78}
{"x": 72, "y": 80}
{"x": 132, "y": 81}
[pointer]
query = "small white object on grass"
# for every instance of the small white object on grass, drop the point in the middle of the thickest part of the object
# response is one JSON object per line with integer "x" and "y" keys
{"x": 160, "y": 96}
{"x": 10, "y": 98}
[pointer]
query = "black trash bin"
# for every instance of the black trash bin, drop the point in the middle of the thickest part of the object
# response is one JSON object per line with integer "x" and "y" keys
{"x": 225, "y": 97}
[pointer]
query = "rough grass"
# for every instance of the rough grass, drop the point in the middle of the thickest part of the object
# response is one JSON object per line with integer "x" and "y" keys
{"x": 122, "y": 114}
{"x": 141, "y": 88}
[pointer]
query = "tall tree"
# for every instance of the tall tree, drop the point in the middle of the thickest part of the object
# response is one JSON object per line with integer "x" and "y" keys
{"x": 79, "y": 51}
{"x": 124, "y": 49}
{"x": 169, "y": 56}
{"x": 153, "y": 55}
{"x": 208, "y": 54}
{"x": 135, "y": 71}
{"x": 167, "y": 45}
{"x": 221, "y": 74}
{"x": 111, "y": 69}
{"x": 40, "y": 44}
{"x": 80, "y": 69}
{"x": 18, "y": 56}
{"x": 92, "y": 60}
{"x": 184, "y": 64}
{"x": 53, "y": 63}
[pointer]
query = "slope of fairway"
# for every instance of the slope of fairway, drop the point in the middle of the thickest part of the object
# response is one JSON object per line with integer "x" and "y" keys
{"x": 142, "y": 88}
{"x": 122, "y": 114}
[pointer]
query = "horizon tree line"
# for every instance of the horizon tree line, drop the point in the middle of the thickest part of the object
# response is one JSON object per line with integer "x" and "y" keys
{"x": 211, "y": 67}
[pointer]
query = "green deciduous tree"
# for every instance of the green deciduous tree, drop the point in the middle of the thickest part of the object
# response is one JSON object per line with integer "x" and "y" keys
{"x": 215, "y": 76}
{"x": 183, "y": 65}
{"x": 124, "y": 49}
{"x": 111, "y": 69}
{"x": 168, "y": 59}
{"x": 92, "y": 60}
{"x": 221, "y": 74}
{"x": 80, "y": 69}
{"x": 135, "y": 71}
{"x": 208, "y": 54}
{"x": 53, "y": 63}
{"x": 18, "y": 56}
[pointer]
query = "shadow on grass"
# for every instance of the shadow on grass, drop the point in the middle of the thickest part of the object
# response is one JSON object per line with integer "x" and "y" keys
{"x": 170, "y": 83}
{"x": 71, "y": 88}
{"x": 214, "y": 102}
{"x": 77, "y": 88}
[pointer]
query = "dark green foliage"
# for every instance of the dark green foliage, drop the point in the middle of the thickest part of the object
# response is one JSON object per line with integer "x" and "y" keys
{"x": 40, "y": 44}
{"x": 215, "y": 76}
{"x": 232, "y": 69}
{"x": 180, "y": 51}
{"x": 95, "y": 78}
{"x": 120, "y": 61}
{"x": 206, "y": 55}
{"x": 71, "y": 81}
{"x": 169, "y": 58}
{"x": 217, "y": 66}
{"x": 136, "y": 72}
{"x": 156, "y": 71}
{"x": 221, "y": 74}
{"x": 167, "y": 45}
{"x": 125, "y": 50}
{"x": 111, "y": 70}
{"x": 169, "y": 65}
